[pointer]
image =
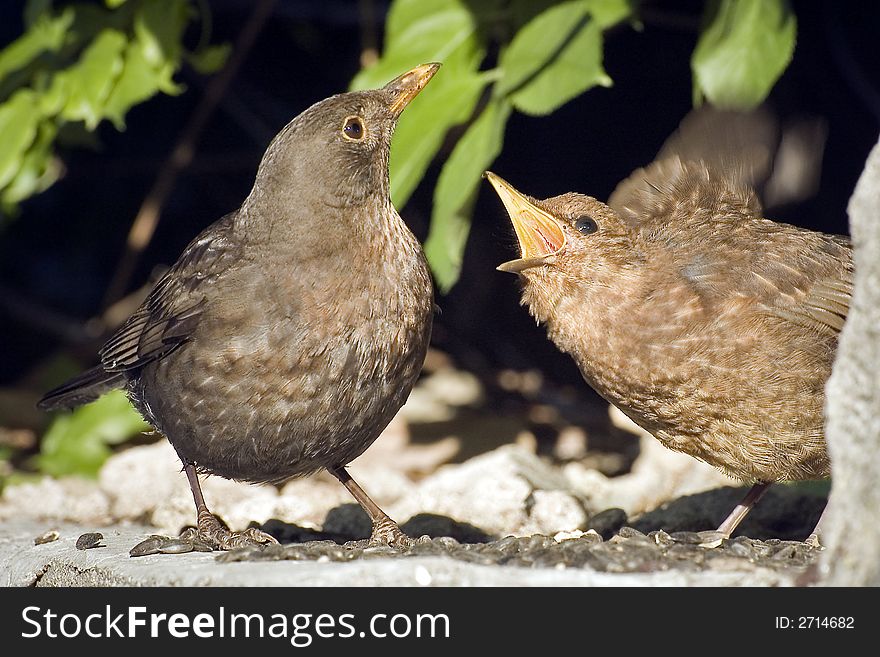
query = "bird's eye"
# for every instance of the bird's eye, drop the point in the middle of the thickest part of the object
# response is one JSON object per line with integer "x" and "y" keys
{"x": 586, "y": 225}
{"x": 353, "y": 128}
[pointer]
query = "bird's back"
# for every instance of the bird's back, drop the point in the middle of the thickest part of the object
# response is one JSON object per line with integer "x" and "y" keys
{"x": 736, "y": 327}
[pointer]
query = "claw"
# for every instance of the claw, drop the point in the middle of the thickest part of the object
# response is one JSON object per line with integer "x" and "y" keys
{"x": 247, "y": 538}
{"x": 214, "y": 532}
{"x": 386, "y": 532}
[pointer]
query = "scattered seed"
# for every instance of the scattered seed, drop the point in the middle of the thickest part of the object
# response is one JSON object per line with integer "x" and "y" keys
{"x": 148, "y": 546}
{"x": 89, "y": 541}
{"x": 47, "y": 537}
{"x": 176, "y": 546}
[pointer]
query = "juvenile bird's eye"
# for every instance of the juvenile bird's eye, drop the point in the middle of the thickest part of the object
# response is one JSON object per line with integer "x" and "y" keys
{"x": 586, "y": 225}
{"x": 353, "y": 128}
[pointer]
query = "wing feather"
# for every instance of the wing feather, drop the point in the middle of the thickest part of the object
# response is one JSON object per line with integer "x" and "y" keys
{"x": 171, "y": 312}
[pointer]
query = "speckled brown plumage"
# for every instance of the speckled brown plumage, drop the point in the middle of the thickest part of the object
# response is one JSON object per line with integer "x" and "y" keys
{"x": 708, "y": 325}
{"x": 289, "y": 333}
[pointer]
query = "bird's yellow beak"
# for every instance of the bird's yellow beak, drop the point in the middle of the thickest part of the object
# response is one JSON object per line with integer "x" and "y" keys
{"x": 539, "y": 234}
{"x": 407, "y": 86}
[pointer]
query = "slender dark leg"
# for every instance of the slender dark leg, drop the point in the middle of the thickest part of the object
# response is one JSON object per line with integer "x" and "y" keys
{"x": 211, "y": 529}
{"x": 742, "y": 509}
{"x": 385, "y": 530}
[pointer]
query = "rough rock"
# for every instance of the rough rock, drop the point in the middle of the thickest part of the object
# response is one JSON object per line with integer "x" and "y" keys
{"x": 657, "y": 475}
{"x": 506, "y": 491}
{"x": 69, "y": 498}
{"x": 852, "y": 529}
{"x": 146, "y": 482}
{"x": 439, "y": 394}
{"x": 785, "y": 512}
{"x": 533, "y": 561}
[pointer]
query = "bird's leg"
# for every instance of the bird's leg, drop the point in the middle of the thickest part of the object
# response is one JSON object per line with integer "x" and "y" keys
{"x": 815, "y": 538}
{"x": 742, "y": 509}
{"x": 385, "y": 530}
{"x": 212, "y": 530}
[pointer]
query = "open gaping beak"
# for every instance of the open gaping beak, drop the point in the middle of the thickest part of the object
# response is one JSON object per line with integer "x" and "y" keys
{"x": 407, "y": 86}
{"x": 539, "y": 234}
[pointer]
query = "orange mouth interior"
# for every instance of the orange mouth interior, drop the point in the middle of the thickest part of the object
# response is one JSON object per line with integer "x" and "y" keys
{"x": 539, "y": 234}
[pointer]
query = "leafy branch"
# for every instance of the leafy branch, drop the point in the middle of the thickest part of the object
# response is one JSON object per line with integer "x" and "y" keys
{"x": 78, "y": 65}
{"x": 549, "y": 52}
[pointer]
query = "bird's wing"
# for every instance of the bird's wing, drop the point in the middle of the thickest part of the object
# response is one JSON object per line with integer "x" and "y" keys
{"x": 737, "y": 147}
{"x": 673, "y": 193}
{"x": 801, "y": 277}
{"x": 818, "y": 295}
{"x": 172, "y": 310}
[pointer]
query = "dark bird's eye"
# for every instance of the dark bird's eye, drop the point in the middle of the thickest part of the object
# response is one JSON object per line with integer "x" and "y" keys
{"x": 353, "y": 128}
{"x": 586, "y": 225}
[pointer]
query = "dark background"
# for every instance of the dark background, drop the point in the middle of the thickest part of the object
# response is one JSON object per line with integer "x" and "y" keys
{"x": 58, "y": 256}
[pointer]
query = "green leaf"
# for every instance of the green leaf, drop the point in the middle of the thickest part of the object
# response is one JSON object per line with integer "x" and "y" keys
{"x": 88, "y": 83}
{"x": 18, "y": 126}
{"x": 423, "y": 126}
{"x": 422, "y": 31}
{"x": 47, "y": 33}
{"x": 209, "y": 59}
{"x": 608, "y": 13}
{"x": 76, "y": 443}
{"x": 744, "y": 48}
{"x": 557, "y": 55}
{"x": 417, "y": 32}
{"x": 159, "y": 25}
{"x": 151, "y": 59}
{"x": 575, "y": 69}
{"x": 37, "y": 170}
{"x": 138, "y": 81}
{"x": 158, "y": 28}
{"x": 456, "y": 191}
{"x": 34, "y": 9}
{"x": 91, "y": 61}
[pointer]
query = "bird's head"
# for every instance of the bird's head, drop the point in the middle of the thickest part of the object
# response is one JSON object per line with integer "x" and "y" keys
{"x": 570, "y": 246}
{"x": 335, "y": 153}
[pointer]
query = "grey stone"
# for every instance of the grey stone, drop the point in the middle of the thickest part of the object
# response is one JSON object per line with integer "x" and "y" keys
{"x": 786, "y": 511}
{"x": 506, "y": 491}
{"x": 515, "y": 561}
{"x": 852, "y": 527}
{"x": 658, "y": 475}
{"x": 607, "y": 522}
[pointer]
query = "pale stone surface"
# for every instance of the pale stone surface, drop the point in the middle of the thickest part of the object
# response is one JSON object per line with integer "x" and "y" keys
{"x": 60, "y": 564}
{"x": 439, "y": 394}
{"x": 498, "y": 492}
{"x": 852, "y": 529}
{"x": 70, "y": 498}
{"x": 657, "y": 476}
{"x": 139, "y": 479}
{"x": 146, "y": 483}
{"x": 505, "y": 491}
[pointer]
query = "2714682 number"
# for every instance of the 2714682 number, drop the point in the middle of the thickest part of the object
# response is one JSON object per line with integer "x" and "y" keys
{"x": 815, "y": 622}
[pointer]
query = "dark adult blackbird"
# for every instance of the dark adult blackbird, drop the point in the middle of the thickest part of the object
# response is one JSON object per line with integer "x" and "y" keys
{"x": 289, "y": 332}
{"x": 711, "y": 327}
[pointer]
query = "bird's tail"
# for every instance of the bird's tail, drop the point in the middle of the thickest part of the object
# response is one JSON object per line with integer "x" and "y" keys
{"x": 82, "y": 389}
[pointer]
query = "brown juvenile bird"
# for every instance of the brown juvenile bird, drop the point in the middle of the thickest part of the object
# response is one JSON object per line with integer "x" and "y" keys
{"x": 711, "y": 327}
{"x": 289, "y": 333}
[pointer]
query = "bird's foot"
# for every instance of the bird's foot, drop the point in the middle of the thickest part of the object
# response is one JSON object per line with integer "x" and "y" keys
{"x": 213, "y": 532}
{"x": 712, "y": 539}
{"x": 387, "y": 532}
